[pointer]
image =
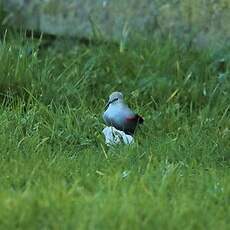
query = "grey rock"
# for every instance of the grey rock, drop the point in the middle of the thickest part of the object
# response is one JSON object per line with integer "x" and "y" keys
{"x": 205, "y": 22}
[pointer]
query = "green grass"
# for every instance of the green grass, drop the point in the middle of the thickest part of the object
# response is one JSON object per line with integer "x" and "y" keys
{"x": 56, "y": 171}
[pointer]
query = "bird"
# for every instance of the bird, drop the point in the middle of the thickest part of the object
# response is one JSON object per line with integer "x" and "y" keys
{"x": 118, "y": 115}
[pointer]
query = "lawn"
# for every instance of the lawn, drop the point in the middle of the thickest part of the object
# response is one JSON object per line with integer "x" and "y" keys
{"x": 57, "y": 172}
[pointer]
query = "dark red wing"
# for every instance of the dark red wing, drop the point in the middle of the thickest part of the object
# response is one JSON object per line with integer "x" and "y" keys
{"x": 135, "y": 118}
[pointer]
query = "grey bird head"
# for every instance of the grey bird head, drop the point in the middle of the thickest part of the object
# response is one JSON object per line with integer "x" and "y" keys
{"x": 114, "y": 97}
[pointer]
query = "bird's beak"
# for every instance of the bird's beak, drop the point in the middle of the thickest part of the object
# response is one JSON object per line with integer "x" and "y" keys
{"x": 107, "y": 105}
{"x": 109, "y": 102}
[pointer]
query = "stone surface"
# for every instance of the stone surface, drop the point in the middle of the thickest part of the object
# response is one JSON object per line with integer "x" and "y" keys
{"x": 114, "y": 136}
{"x": 205, "y": 21}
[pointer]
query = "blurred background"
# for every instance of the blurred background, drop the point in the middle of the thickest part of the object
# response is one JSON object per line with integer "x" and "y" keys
{"x": 205, "y": 23}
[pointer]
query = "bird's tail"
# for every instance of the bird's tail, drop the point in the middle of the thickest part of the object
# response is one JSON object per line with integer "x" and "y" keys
{"x": 140, "y": 119}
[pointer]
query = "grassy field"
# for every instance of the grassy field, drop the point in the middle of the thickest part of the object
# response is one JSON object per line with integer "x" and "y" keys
{"x": 56, "y": 171}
